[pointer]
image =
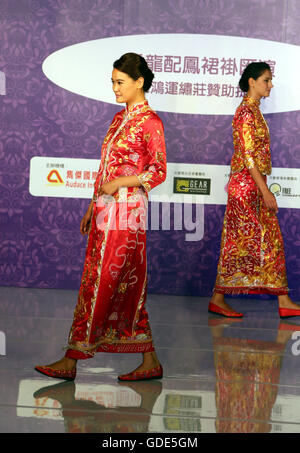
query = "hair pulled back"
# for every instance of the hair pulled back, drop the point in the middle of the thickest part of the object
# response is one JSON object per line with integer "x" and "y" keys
{"x": 253, "y": 70}
{"x": 135, "y": 66}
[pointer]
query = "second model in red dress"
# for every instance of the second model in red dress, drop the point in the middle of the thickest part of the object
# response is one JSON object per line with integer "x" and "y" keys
{"x": 252, "y": 251}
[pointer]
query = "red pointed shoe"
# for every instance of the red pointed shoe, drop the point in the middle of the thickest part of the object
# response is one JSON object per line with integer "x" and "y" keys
{"x": 153, "y": 373}
{"x": 212, "y": 308}
{"x": 67, "y": 375}
{"x": 288, "y": 312}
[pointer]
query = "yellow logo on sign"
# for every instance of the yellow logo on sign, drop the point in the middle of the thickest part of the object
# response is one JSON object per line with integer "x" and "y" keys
{"x": 54, "y": 178}
{"x": 182, "y": 185}
{"x": 275, "y": 188}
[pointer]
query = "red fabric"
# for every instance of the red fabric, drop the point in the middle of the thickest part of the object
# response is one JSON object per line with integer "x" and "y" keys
{"x": 134, "y": 145}
{"x": 252, "y": 257}
{"x": 247, "y": 378}
{"x": 110, "y": 315}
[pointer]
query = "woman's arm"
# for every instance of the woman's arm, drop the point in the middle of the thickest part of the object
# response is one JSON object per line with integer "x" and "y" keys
{"x": 247, "y": 136}
{"x": 269, "y": 198}
{"x": 155, "y": 171}
{"x": 111, "y": 187}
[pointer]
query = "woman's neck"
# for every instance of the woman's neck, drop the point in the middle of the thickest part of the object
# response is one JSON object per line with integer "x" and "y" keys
{"x": 254, "y": 96}
{"x": 137, "y": 100}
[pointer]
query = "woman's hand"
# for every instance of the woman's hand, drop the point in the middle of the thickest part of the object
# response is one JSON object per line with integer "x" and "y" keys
{"x": 86, "y": 220}
{"x": 270, "y": 201}
{"x": 109, "y": 188}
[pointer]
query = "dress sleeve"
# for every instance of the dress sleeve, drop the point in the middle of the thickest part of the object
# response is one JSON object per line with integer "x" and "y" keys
{"x": 155, "y": 170}
{"x": 247, "y": 138}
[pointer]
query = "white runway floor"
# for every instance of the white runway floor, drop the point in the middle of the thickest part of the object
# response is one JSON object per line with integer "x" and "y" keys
{"x": 220, "y": 375}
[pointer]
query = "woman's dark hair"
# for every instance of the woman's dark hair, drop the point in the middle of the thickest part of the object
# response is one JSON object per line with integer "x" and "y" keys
{"x": 135, "y": 66}
{"x": 253, "y": 70}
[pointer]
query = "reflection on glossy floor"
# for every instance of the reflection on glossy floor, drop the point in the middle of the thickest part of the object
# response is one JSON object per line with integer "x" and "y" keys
{"x": 221, "y": 375}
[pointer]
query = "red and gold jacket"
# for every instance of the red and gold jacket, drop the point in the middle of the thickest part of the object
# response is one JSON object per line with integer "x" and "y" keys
{"x": 134, "y": 145}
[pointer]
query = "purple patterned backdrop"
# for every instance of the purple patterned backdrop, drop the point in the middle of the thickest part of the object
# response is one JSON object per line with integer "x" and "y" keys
{"x": 40, "y": 241}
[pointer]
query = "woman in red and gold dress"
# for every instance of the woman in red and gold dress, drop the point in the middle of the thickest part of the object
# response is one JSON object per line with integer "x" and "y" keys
{"x": 110, "y": 314}
{"x": 252, "y": 257}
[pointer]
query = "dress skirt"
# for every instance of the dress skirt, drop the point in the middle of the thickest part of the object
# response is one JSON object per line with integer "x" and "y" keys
{"x": 110, "y": 314}
{"x": 252, "y": 257}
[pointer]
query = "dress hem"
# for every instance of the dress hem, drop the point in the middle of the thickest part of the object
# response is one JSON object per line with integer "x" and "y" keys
{"x": 111, "y": 348}
{"x": 248, "y": 290}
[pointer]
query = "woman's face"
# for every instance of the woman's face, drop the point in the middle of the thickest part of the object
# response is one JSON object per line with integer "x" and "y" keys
{"x": 261, "y": 87}
{"x": 125, "y": 88}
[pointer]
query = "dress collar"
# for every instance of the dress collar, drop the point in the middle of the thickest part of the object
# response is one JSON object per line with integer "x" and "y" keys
{"x": 136, "y": 108}
{"x": 251, "y": 100}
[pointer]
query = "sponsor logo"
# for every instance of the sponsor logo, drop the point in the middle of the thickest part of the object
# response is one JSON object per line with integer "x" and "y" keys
{"x": 275, "y": 188}
{"x": 54, "y": 178}
{"x": 195, "y": 186}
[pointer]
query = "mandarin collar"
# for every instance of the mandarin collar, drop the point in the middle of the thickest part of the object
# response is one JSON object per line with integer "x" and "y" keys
{"x": 135, "y": 108}
{"x": 251, "y": 100}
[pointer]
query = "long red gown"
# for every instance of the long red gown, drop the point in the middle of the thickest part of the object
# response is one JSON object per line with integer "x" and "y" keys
{"x": 110, "y": 314}
{"x": 252, "y": 251}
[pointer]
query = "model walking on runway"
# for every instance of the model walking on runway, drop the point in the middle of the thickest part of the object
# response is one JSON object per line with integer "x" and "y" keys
{"x": 110, "y": 315}
{"x": 252, "y": 257}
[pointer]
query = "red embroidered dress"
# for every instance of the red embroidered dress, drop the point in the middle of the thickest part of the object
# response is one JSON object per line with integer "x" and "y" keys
{"x": 110, "y": 314}
{"x": 252, "y": 250}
